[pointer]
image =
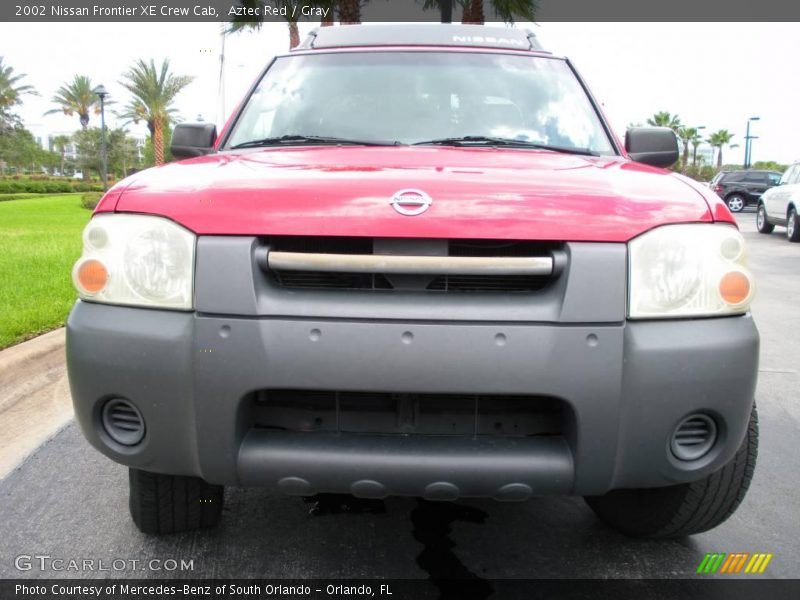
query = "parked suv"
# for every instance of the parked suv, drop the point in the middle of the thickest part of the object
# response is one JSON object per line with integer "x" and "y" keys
{"x": 418, "y": 262}
{"x": 743, "y": 188}
{"x": 780, "y": 205}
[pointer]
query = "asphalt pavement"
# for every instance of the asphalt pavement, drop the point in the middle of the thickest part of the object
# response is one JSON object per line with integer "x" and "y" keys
{"x": 67, "y": 501}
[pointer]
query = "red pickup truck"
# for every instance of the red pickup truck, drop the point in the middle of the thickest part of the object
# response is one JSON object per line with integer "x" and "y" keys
{"x": 418, "y": 262}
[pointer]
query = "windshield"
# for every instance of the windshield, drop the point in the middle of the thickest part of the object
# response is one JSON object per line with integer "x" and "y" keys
{"x": 414, "y": 97}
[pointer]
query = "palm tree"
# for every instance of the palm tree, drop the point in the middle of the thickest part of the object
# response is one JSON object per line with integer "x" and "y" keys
{"x": 718, "y": 140}
{"x": 349, "y": 11}
{"x": 327, "y": 20}
{"x": 76, "y": 97}
{"x": 665, "y": 119}
{"x": 686, "y": 135}
{"x": 11, "y": 92}
{"x": 508, "y": 11}
{"x": 292, "y": 8}
{"x": 695, "y": 141}
{"x": 293, "y": 12}
{"x": 60, "y": 143}
{"x": 154, "y": 91}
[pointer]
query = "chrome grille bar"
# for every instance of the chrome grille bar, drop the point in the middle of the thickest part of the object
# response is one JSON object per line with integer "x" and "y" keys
{"x": 424, "y": 265}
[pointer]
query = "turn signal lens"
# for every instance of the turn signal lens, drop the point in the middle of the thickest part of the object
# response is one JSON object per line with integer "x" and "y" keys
{"x": 91, "y": 276}
{"x": 734, "y": 287}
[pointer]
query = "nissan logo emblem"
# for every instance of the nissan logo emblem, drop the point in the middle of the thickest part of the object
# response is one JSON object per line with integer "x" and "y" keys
{"x": 411, "y": 202}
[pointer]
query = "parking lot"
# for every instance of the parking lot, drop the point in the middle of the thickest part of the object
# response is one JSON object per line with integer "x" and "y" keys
{"x": 68, "y": 501}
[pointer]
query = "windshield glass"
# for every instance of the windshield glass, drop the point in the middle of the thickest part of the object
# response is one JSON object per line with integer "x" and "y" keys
{"x": 412, "y": 97}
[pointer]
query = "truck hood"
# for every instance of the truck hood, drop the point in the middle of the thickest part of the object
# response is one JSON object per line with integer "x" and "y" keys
{"x": 476, "y": 193}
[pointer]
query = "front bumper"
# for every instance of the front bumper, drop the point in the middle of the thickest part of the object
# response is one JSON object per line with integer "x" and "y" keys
{"x": 627, "y": 385}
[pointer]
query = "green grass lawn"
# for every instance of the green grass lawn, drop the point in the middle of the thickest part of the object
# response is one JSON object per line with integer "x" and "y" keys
{"x": 40, "y": 240}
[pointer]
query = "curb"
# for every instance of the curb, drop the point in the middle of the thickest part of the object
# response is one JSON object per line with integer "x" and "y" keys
{"x": 35, "y": 402}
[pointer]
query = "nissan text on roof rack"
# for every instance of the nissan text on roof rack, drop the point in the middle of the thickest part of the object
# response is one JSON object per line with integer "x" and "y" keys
{"x": 418, "y": 262}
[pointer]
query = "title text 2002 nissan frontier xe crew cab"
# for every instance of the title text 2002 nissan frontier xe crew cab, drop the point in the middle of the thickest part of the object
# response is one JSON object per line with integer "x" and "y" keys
{"x": 418, "y": 262}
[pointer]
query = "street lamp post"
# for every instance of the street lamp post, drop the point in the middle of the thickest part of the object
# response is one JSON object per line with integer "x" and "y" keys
{"x": 748, "y": 142}
{"x": 102, "y": 92}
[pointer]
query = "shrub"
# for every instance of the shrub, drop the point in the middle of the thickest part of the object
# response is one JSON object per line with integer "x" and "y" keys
{"x": 90, "y": 199}
{"x": 12, "y": 187}
{"x": 56, "y": 187}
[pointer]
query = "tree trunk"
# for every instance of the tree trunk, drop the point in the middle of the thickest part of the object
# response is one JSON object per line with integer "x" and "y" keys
{"x": 61, "y": 171}
{"x": 349, "y": 12}
{"x": 719, "y": 158}
{"x": 158, "y": 144}
{"x": 685, "y": 154}
{"x": 473, "y": 13}
{"x": 327, "y": 20}
{"x": 294, "y": 35}
{"x": 446, "y": 11}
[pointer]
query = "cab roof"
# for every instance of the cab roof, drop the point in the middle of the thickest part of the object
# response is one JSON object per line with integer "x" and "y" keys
{"x": 477, "y": 36}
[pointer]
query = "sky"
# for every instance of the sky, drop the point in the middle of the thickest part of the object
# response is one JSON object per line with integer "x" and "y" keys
{"x": 715, "y": 75}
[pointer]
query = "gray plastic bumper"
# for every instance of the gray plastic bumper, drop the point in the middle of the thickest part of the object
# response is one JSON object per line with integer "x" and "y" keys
{"x": 627, "y": 386}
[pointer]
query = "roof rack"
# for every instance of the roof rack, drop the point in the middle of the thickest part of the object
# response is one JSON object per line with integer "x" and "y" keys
{"x": 476, "y": 36}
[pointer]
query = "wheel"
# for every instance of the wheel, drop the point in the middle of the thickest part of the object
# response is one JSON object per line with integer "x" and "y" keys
{"x": 793, "y": 226}
{"x": 736, "y": 202}
{"x": 762, "y": 224}
{"x": 171, "y": 503}
{"x": 684, "y": 509}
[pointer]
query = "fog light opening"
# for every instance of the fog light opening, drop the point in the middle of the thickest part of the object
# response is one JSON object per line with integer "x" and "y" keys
{"x": 694, "y": 437}
{"x": 123, "y": 422}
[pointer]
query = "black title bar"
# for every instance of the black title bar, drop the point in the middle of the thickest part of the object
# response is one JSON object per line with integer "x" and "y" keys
{"x": 700, "y": 588}
{"x": 135, "y": 11}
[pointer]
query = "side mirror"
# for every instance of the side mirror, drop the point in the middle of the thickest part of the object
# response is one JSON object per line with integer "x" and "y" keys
{"x": 655, "y": 146}
{"x": 193, "y": 139}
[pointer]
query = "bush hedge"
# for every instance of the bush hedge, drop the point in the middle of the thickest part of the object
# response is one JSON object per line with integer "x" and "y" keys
{"x": 43, "y": 177}
{"x": 35, "y": 186}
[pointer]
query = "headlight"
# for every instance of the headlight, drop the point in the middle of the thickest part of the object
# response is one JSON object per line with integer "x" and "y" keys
{"x": 688, "y": 271}
{"x": 136, "y": 260}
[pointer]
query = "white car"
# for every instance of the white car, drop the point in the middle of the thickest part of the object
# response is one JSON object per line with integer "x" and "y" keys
{"x": 780, "y": 205}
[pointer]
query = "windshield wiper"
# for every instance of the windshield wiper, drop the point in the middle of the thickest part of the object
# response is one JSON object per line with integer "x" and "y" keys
{"x": 469, "y": 140}
{"x": 288, "y": 140}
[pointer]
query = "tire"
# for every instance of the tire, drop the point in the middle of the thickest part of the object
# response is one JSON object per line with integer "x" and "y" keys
{"x": 762, "y": 224}
{"x": 172, "y": 503}
{"x": 736, "y": 202}
{"x": 793, "y": 226}
{"x": 684, "y": 509}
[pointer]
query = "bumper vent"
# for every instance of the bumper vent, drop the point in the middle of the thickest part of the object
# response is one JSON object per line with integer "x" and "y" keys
{"x": 386, "y": 413}
{"x": 693, "y": 437}
{"x": 123, "y": 422}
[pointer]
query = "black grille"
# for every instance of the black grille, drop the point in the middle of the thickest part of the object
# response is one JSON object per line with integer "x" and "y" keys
{"x": 327, "y": 244}
{"x": 123, "y": 422}
{"x": 323, "y": 280}
{"x": 455, "y": 247}
{"x": 694, "y": 437}
{"x": 487, "y": 283}
{"x": 418, "y": 413}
